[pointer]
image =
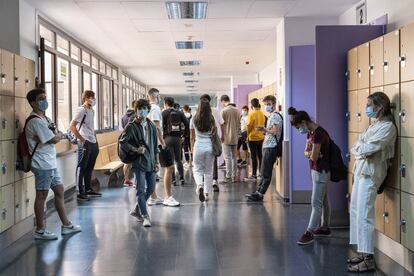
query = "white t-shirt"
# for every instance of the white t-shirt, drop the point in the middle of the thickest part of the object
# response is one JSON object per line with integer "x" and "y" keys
{"x": 201, "y": 137}
{"x": 155, "y": 114}
{"x": 243, "y": 123}
{"x": 37, "y": 131}
{"x": 88, "y": 127}
{"x": 218, "y": 118}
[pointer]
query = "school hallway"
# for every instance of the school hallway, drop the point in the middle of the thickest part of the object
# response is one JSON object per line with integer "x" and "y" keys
{"x": 224, "y": 236}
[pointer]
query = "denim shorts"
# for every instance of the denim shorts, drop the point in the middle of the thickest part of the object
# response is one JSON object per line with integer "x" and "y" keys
{"x": 46, "y": 179}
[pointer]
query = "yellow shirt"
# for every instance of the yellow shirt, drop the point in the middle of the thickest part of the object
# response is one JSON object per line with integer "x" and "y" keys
{"x": 256, "y": 118}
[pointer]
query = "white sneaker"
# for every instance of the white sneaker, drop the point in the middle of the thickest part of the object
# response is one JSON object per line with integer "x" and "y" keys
{"x": 70, "y": 229}
{"x": 44, "y": 235}
{"x": 171, "y": 202}
{"x": 137, "y": 215}
{"x": 156, "y": 201}
{"x": 206, "y": 198}
{"x": 147, "y": 222}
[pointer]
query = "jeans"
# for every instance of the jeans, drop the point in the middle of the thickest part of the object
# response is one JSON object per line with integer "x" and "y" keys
{"x": 186, "y": 147}
{"x": 145, "y": 182}
{"x": 320, "y": 202}
{"x": 203, "y": 166}
{"x": 230, "y": 157}
{"x": 174, "y": 143}
{"x": 256, "y": 152}
{"x": 87, "y": 155}
{"x": 268, "y": 161}
{"x": 215, "y": 169}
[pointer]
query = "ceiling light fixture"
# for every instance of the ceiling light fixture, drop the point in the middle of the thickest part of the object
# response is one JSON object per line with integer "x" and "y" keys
{"x": 190, "y": 63}
{"x": 186, "y": 10}
{"x": 191, "y": 81}
{"x": 188, "y": 74}
{"x": 189, "y": 44}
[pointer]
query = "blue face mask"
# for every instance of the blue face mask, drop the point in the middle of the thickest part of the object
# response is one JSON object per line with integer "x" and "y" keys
{"x": 93, "y": 102}
{"x": 143, "y": 113}
{"x": 369, "y": 110}
{"x": 43, "y": 105}
{"x": 268, "y": 108}
{"x": 303, "y": 130}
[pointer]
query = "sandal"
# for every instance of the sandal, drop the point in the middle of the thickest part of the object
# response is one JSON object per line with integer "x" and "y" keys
{"x": 355, "y": 260}
{"x": 364, "y": 266}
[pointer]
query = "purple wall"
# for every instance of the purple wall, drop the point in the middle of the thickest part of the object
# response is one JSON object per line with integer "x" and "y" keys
{"x": 242, "y": 91}
{"x": 332, "y": 45}
{"x": 302, "y": 96}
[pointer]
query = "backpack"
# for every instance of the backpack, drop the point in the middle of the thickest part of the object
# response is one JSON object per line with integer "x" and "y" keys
{"x": 279, "y": 145}
{"x": 339, "y": 170}
{"x": 24, "y": 158}
{"x": 174, "y": 122}
{"x": 70, "y": 135}
{"x": 124, "y": 152}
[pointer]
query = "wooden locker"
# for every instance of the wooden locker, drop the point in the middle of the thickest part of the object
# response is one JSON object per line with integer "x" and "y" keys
{"x": 394, "y": 181}
{"x": 407, "y": 53}
{"x": 352, "y": 139}
{"x": 24, "y": 196}
{"x": 376, "y": 53}
{"x": 31, "y": 195}
{"x": 29, "y": 75}
{"x": 363, "y": 66}
{"x": 379, "y": 213}
{"x": 352, "y": 69}
{"x": 6, "y": 118}
{"x": 6, "y": 73}
{"x": 350, "y": 184}
{"x": 391, "y": 58}
{"x": 7, "y": 162}
{"x": 22, "y": 110}
{"x": 407, "y": 109}
{"x": 19, "y": 175}
{"x": 407, "y": 220}
{"x": 363, "y": 120}
{"x": 392, "y": 213}
{"x": 393, "y": 92}
{"x": 19, "y": 76}
{"x": 352, "y": 111}
{"x": 407, "y": 165}
{"x": 7, "y": 207}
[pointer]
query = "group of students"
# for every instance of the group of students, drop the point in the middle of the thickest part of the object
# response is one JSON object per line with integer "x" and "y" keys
{"x": 156, "y": 138}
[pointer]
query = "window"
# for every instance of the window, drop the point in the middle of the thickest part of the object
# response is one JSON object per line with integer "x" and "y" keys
{"x": 49, "y": 61}
{"x": 75, "y": 77}
{"x": 86, "y": 58}
{"x": 86, "y": 81}
{"x": 63, "y": 100}
{"x": 108, "y": 71}
{"x": 62, "y": 45}
{"x": 123, "y": 79}
{"x": 102, "y": 67}
{"x": 116, "y": 106}
{"x": 95, "y": 63}
{"x": 124, "y": 100}
{"x": 74, "y": 52}
{"x": 48, "y": 35}
{"x": 114, "y": 74}
{"x": 107, "y": 103}
{"x": 96, "y": 90}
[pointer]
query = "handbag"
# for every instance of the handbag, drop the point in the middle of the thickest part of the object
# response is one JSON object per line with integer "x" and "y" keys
{"x": 216, "y": 141}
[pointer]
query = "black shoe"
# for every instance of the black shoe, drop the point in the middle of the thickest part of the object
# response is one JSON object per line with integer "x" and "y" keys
{"x": 182, "y": 182}
{"x": 82, "y": 197}
{"x": 201, "y": 196}
{"x": 92, "y": 193}
{"x": 174, "y": 182}
{"x": 216, "y": 188}
{"x": 157, "y": 179}
{"x": 255, "y": 197}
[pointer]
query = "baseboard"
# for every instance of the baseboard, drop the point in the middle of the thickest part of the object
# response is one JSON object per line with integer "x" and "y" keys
{"x": 301, "y": 197}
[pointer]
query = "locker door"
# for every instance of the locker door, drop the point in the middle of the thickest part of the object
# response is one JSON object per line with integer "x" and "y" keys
{"x": 21, "y": 108}
{"x": 407, "y": 109}
{"x": 352, "y": 138}
{"x": 393, "y": 92}
{"x": 407, "y": 220}
{"x": 19, "y": 76}
{"x": 352, "y": 69}
{"x": 407, "y": 53}
{"x": 7, "y": 207}
{"x": 379, "y": 213}
{"x": 6, "y": 73}
{"x": 391, "y": 57}
{"x": 7, "y": 117}
{"x": 30, "y": 75}
{"x": 19, "y": 198}
{"x": 352, "y": 111}
{"x": 392, "y": 213}
{"x": 363, "y": 120}
{"x": 30, "y": 195}
{"x": 376, "y": 52}
{"x": 350, "y": 183}
{"x": 407, "y": 165}
{"x": 363, "y": 66}
{"x": 395, "y": 169}
{"x": 7, "y": 165}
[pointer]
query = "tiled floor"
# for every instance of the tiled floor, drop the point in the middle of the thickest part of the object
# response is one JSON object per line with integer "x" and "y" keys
{"x": 226, "y": 236}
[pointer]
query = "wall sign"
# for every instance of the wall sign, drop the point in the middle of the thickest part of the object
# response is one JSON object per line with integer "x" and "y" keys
{"x": 361, "y": 14}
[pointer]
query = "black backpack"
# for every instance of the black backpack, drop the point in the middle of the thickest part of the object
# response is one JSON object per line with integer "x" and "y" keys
{"x": 279, "y": 145}
{"x": 174, "y": 122}
{"x": 339, "y": 170}
{"x": 125, "y": 154}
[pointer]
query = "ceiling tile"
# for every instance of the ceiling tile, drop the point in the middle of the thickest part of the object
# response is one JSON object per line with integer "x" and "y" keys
{"x": 260, "y": 9}
{"x": 103, "y": 10}
{"x": 146, "y": 10}
{"x": 228, "y": 9}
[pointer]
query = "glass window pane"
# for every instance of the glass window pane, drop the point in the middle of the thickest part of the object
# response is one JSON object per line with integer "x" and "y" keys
{"x": 124, "y": 100}
{"x": 75, "y": 52}
{"x": 76, "y": 90}
{"x": 102, "y": 67}
{"x": 63, "y": 107}
{"x": 115, "y": 73}
{"x": 48, "y": 35}
{"x": 96, "y": 90}
{"x": 116, "y": 106}
{"x": 86, "y": 58}
{"x": 108, "y": 71}
{"x": 49, "y": 60}
{"x": 107, "y": 103}
{"x": 123, "y": 79}
{"x": 62, "y": 45}
{"x": 95, "y": 63}
{"x": 86, "y": 81}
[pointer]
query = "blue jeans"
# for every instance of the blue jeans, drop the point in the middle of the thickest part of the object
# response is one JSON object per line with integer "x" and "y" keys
{"x": 145, "y": 182}
{"x": 321, "y": 212}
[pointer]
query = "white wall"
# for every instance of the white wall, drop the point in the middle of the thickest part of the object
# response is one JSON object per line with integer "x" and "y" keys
{"x": 9, "y": 25}
{"x": 400, "y": 12}
{"x": 28, "y": 31}
{"x": 244, "y": 79}
{"x": 269, "y": 74}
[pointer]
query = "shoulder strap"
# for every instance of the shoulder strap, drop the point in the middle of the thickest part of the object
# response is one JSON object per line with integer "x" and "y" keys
{"x": 83, "y": 119}
{"x": 24, "y": 130}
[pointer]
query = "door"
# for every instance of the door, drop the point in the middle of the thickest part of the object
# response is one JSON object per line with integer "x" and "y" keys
{"x": 407, "y": 220}
{"x": 352, "y": 138}
{"x": 393, "y": 92}
{"x": 7, "y": 162}
{"x": 407, "y": 165}
{"x": 7, "y": 118}
{"x": 352, "y": 69}
{"x": 376, "y": 53}
{"x": 352, "y": 111}
{"x": 19, "y": 76}
{"x": 379, "y": 213}
{"x": 7, "y": 207}
{"x": 363, "y": 66}
{"x": 29, "y": 75}
{"x": 392, "y": 213}
{"x": 407, "y": 53}
{"x": 6, "y": 73}
{"x": 407, "y": 109}
{"x": 391, "y": 58}
{"x": 363, "y": 120}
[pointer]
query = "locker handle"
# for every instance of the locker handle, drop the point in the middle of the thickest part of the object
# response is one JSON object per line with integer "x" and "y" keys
{"x": 385, "y": 214}
{"x": 4, "y": 123}
{"x": 348, "y": 115}
{"x": 346, "y": 73}
{"x": 27, "y": 200}
{"x": 16, "y": 80}
{"x": 348, "y": 156}
{"x": 403, "y": 170}
{"x": 402, "y": 58}
{"x": 348, "y": 195}
{"x": 27, "y": 81}
{"x": 4, "y": 213}
{"x": 4, "y": 168}
{"x": 403, "y": 224}
{"x": 17, "y": 123}
{"x": 17, "y": 206}
{"x": 371, "y": 67}
{"x": 385, "y": 63}
{"x": 3, "y": 78}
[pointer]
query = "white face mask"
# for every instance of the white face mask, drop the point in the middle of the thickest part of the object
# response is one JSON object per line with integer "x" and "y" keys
{"x": 245, "y": 113}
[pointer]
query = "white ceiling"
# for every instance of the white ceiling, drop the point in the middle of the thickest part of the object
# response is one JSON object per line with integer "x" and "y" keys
{"x": 138, "y": 36}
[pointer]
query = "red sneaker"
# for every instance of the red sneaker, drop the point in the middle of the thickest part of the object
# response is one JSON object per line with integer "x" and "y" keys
{"x": 322, "y": 232}
{"x": 306, "y": 238}
{"x": 128, "y": 183}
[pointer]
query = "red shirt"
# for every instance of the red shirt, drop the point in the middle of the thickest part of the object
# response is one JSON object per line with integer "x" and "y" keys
{"x": 319, "y": 136}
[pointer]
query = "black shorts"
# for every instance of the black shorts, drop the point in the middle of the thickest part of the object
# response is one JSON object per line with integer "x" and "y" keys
{"x": 242, "y": 141}
{"x": 166, "y": 157}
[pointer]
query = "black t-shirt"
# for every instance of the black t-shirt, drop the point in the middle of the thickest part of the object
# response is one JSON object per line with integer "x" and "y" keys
{"x": 166, "y": 123}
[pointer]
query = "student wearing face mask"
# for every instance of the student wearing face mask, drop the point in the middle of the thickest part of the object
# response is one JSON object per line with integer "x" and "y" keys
{"x": 317, "y": 151}
{"x": 373, "y": 153}
{"x": 242, "y": 143}
{"x": 83, "y": 127}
